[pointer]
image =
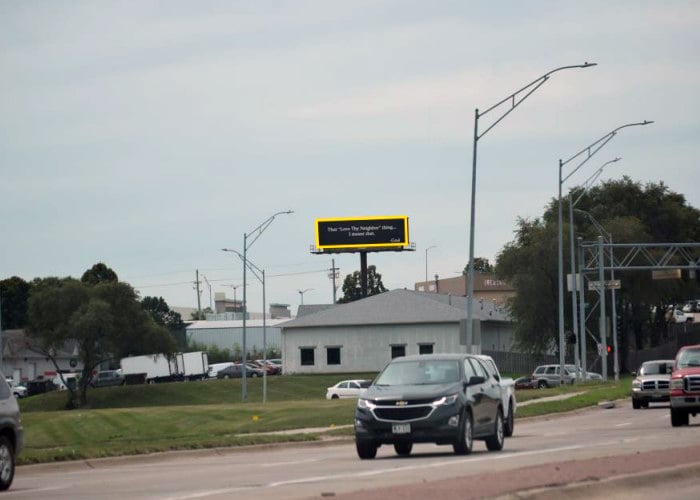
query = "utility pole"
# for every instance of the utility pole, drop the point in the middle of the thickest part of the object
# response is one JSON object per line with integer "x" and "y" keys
{"x": 199, "y": 292}
{"x": 209, "y": 285}
{"x": 1, "y": 346}
{"x": 334, "y": 270}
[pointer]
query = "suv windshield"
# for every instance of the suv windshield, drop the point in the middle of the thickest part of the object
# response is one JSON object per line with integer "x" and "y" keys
{"x": 689, "y": 357}
{"x": 420, "y": 372}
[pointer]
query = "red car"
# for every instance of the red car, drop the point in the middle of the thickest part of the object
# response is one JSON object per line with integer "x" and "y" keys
{"x": 685, "y": 385}
{"x": 525, "y": 383}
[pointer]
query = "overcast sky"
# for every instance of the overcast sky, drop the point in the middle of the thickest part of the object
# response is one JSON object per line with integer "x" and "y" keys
{"x": 148, "y": 135}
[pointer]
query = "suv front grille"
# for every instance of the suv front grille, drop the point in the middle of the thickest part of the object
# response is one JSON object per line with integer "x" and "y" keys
{"x": 402, "y": 414}
{"x": 650, "y": 385}
{"x": 692, "y": 384}
{"x": 403, "y": 402}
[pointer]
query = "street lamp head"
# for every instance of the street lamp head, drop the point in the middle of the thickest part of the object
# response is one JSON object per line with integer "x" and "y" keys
{"x": 588, "y": 65}
{"x": 647, "y": 122}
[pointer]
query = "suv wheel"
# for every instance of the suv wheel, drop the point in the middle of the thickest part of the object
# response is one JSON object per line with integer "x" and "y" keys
{"x": 403, "y": 448}
{"x": 463, "y": 445}
{"x": 495, "y": 441}
{"x": 542, "y": 384}
{"x": 509, "y": 424}
{"x": 7, "y": 463}
{"x": 366, "y": 448}
{"x": 636, "y": 404}
{"x": 679, "y": 417}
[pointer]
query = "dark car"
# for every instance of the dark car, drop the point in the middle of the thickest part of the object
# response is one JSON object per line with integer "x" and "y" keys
{"x": 525, "y": 383}
{"x": 39, "y": 386}
{"x": 107, "y": 378}
{"x": 11, "y": 434}
{"x": 233, "y": 371}
{"x": 447, "y": 399}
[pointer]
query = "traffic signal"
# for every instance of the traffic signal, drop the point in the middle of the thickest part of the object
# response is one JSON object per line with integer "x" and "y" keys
{"x": 610, "y": 349}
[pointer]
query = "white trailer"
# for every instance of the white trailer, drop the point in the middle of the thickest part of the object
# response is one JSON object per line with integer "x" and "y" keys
{"x": 152, "y": 368}
{"x": 195, "y": 365}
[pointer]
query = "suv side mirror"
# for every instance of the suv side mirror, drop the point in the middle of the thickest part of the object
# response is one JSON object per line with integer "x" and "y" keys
{"x": 475, "y": 380}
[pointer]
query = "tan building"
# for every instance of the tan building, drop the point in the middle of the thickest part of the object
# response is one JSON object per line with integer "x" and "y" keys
{"x": 486, "y": 287}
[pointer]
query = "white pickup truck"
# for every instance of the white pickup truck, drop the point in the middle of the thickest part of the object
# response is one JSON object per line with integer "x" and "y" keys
{"x": 507, "y": 393}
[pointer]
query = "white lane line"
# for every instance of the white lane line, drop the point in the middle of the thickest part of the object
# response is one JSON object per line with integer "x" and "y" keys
{"x": 16, "y": 492}
{"x": 375, "y": 472}
{"x": 624, "y": 424}
{"x": 294, "y": 462}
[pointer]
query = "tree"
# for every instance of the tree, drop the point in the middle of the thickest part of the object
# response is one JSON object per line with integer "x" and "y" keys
{"x": 352, "y": 286}
{"x": 98, "y": 273}
{"x": 201, "y": 315}
{"x": 632, "y": 213}
{"x": 104, "y": 320}
{"x": 161, "y": 313}
{"x": 14, "y": 293}
{"x": 481, "y": 264}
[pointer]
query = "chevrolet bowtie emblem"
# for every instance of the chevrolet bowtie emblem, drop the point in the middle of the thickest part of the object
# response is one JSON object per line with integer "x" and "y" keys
{"x": 401, "y": 403}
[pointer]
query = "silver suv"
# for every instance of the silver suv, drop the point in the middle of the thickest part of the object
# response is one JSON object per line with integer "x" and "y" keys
{"x": 651, "y": 383}
{"x": 11, "y": 434}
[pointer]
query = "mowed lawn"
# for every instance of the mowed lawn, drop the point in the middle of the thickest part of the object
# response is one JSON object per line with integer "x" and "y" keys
{"x": 143, "y": 419}
{"x": 150, "y": 418}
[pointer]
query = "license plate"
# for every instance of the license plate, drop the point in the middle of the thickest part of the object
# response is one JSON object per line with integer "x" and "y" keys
{"x": 401, "y": 428}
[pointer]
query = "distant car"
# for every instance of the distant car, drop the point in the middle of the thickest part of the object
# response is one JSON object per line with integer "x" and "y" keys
{"x": 347, "y": 389}
{"x": 11, "y": 434}
{"x": 214, "y": 368}
{"x": 252, "y": 370}
{"x": 548, "y": 375}
{"x": 525, "y": 383}
{"x": 107, "y": 378}
{"x": 40, "y": 386}
{"x": 18, "y": 390}
{"x": 267, "y": 365}
{"x": 651, "y": 383}
{"x": 232, "y": 371}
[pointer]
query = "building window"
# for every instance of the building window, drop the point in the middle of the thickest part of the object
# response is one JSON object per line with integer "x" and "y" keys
{"x": 398, "y": 351}
{"x": 307, "y": 356}
{"x": 425, "y": 348}
{"x": 333, "y": 355}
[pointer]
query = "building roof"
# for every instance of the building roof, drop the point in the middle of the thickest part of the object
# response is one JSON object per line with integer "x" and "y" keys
{"x": 305, "y": 309}
{"x": 399, "y": 307}
{"x": 250, "y": 323}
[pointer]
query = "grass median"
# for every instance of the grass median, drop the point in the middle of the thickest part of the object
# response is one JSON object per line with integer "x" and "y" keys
{"x": 143, "y": 419}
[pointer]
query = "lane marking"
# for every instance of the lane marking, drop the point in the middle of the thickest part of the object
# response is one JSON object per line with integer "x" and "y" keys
{"x": 623, "y": 424}
{"x": 294, "y": 462}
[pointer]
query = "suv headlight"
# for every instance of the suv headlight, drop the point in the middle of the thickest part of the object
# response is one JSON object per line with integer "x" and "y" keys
{"x": 445, "y": 400}
{"x": 365, "y": 403}
{"x": 677, "y": 383}
{"x": 636, "y": 383}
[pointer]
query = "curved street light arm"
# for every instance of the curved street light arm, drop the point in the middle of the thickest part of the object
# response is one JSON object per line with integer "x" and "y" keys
{"x": 257, "y": 272}
{"x": 591, "y": 180}
{"x": 606, "y": 235}
{"x": 261, "y": 228}
{"x": 593, "y": 148}
{"x": 530, "y": 88}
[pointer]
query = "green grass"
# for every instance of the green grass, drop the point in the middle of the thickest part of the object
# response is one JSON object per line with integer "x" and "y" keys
{"x": 143, "y": 419}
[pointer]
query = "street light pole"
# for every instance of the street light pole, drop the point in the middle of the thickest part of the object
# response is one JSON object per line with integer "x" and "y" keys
{"x": 302, "y": 292}
{"x": 426, "y": 264}
{"x": 260, "y": 274}
{"x": 255, "y": 233}
{"x": 574, "y": 285}
{"x": 515, "y": 99}
{"x": 590, "y": 151}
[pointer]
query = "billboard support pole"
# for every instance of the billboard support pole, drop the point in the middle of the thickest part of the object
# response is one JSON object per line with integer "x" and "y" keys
{"x": 363, "y": 272}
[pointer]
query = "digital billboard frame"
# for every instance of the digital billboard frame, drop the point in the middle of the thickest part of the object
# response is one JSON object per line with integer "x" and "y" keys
{"x": 356, "y": 233}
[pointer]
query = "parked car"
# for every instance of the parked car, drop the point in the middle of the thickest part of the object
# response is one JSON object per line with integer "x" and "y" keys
{"x": 548, "y": 375}
{"x": 430, "y": 398}
{"x": 347, "y": 389}
{"x": 676, "y": 315}
{"x": 270, "y": 367}
{"x": 216, "y": 367}
{"x": 18, "y": 390}
{"x": 685, "y": 385}
{"x": 651, "y": 383}
{"x": 252, "y": 370}
{"x": 107, "y": 378}
{"x": 525, "y": 383}
{"x": 11, "y": 434}
{"x": 40, "y": 386}
{"x": 232, "y": 371}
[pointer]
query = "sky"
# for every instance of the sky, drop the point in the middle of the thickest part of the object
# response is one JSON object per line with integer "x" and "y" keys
{"x": 149, "y": 135}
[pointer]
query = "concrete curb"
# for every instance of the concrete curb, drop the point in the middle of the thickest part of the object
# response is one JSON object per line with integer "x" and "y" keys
{"x": 630, "y": 483}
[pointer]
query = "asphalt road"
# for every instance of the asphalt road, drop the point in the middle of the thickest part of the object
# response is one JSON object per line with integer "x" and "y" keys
{"x": 590, "y": 445}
